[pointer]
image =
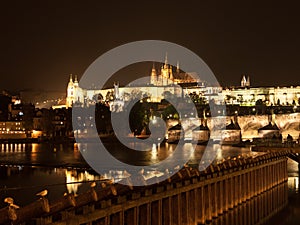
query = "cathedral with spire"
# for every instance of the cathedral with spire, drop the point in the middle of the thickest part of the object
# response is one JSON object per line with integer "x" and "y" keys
{"x": 74, "y": 92}
{"x": 169, "y": 76}
{"x": 245, "y": 82}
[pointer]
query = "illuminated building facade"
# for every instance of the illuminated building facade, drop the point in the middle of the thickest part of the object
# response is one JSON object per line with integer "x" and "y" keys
{"x": 180, "y": 84}
{"x": 249, "y": 96}
{"x": 12, "y": 130}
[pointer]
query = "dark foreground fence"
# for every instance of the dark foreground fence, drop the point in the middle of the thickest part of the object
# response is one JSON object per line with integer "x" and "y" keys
{"x": 255, "y": 187}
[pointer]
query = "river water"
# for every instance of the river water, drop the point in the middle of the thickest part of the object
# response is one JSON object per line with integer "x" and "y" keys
{"x": 27, "y": 169}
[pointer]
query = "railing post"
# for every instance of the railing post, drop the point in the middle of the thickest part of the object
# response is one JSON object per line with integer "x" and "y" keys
{"x": 167, "y": 213}
{"x": 208, "y": 203}
{"x": 200, "y": 201}
{"x": 214, "y": 201}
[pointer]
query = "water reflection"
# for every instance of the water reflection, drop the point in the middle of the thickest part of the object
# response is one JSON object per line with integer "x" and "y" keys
{"x": 22, "y": 182}
{"x": 75, "y": 178}
{"x": 6, "y": 147}
{"x": 47, "y": 154}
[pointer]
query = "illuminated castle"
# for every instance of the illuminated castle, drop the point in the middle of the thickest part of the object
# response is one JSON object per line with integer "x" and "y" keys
{"x": 180, "y": 84}
{"x": 165, "y": 81}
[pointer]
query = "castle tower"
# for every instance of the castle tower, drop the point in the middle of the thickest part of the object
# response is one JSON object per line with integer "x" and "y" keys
{"x": 171, "y": 78}
{"x": 165, "y": 72}
{"x": 76, "y": 80}
{"x": 243, "y": 81}
{"x": 70, "y": 92}
{"x": 177, "y": 68}
{"x": 153, "y": 77}
{"x": 248, "y": 82}
{"x": 166, "y": 61}
{"x": 116, "y": 91}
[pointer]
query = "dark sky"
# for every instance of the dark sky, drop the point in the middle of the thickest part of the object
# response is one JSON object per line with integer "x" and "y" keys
{"x": 42, "y": 43}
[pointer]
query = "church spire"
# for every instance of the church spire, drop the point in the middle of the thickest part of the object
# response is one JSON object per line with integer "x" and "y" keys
{"x": 243, "y": 81}
{"x": 75, "y": 79}
{"x": 153, "y": 77}
{"x": 248, "y": 81}
{"x": 177, "y": 67}
{"x": 71, "y": 78}
{"x": 166, "y": 59}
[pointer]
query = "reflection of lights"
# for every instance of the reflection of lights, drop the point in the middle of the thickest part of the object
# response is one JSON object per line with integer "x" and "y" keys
{"x": 154, "y": 147}
{"x": 75, "y": 147}
{"x": 154, "y": 121}
{"x": 154, "y": 152}
{"x": 152, "y": 174}
{"x": 34, "y": 147}
{"x": 74, "y": 179}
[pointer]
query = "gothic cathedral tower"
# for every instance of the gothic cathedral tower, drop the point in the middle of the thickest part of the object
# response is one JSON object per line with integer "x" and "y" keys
{"x": 71, "y": 91}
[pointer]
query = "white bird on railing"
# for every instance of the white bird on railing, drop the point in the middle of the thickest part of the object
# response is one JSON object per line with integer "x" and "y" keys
{"x": 103, "y": 184}
{"x": 177, "y": 167}
{"x": 93, "y": 184}
{"x": 12, "y": 215}
{"x": 42, "y": 193}
{"x": 10, "y": 202}
{"x": 126, "y": 174}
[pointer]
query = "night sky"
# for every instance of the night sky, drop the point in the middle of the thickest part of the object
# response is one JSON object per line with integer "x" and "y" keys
{"x": 42, "y": 43}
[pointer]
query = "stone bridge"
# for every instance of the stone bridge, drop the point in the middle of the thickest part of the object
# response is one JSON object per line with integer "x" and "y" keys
{"x": 287, "y": 123}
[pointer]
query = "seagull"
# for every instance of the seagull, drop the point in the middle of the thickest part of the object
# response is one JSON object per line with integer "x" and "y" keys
{"x": 42, "y": 193}
{"x": 141, "y": 171}
{"x": 10, "y": 202}
{"x": 93, "y": 184}
{"x": 126, "y": 174}
{"x": 177, "y": 167}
